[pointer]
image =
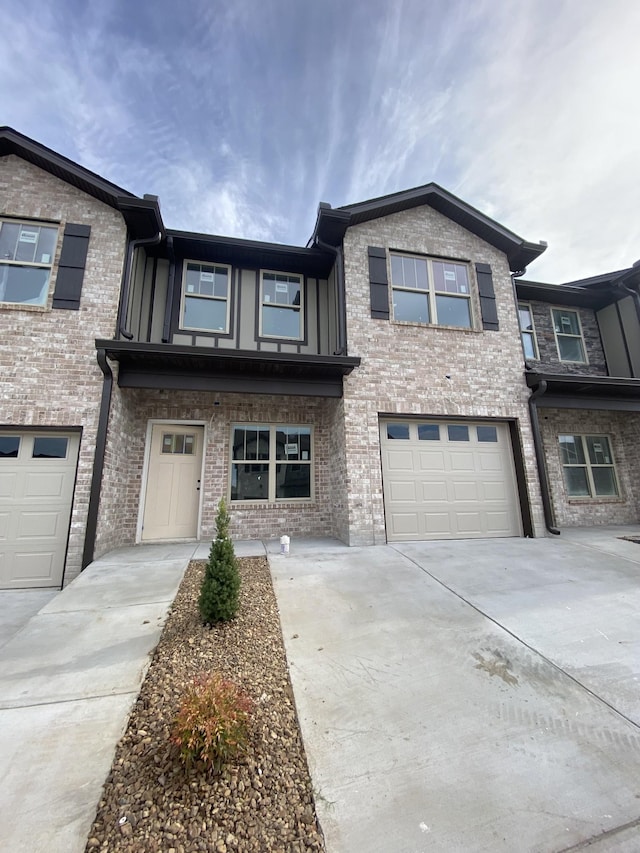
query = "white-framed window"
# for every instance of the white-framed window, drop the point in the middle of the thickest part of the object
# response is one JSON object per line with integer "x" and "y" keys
{"x": 588, "y": 466}
{"x": 568, "y": 332}
{"x": 281, "y": 308}
{"x": 425, "y": 290}
{"x": 271, "y": 462}
{"x": 205, "y": 297}
{"x": 527, "y": 330}
{"x": 27, "y": 250}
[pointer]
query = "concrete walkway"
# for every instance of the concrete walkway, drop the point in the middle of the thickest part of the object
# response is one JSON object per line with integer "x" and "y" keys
{"x": 69, "y": 676}
{"x": 475, "y": 696}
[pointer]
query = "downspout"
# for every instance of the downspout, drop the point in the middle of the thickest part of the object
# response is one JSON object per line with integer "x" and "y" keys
{"x": 542, "y": 470}
{"x": 126, "y": 281}
{"x": 168, "y": 308}
{"x": 337, "y": 252}
{"x": 98, "y": 460}
{"x": 635, "y": 295}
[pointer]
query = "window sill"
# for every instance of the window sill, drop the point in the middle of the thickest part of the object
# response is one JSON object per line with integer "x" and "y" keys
{"x": 414, "y": 324}
{"x": 20, "y": 306}
{"x": 593, "y": 501}
{"x": 297, "y": 502}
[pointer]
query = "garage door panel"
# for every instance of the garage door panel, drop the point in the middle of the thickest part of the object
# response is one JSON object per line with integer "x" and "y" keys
{"x": 434, "y": 492}
{"x": 8, "y": 483}
{"x": 437, "y": 522}
{"x": 459, "y": 489}
{"x": 462, "y": 461}
{"x": 432, "y": 461}
{"x": 30, "y": 566}
{"x": 41, "y": 484}
{"x": 36, "y": 496}
{"x": 405, "y": 524}
{"x": 465, "y": 491}
{"x": 38, "y": 525}
{"x": 398, "y": 460}
{"x": 469, "y": 522}
{"x": 403, "y": 491}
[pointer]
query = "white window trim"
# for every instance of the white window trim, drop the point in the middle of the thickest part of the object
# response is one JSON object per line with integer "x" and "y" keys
{"x": 588, "y": 465}
{"x": 272, "y": 462}
{"x": 300, "y": 308}
{"x": 6, "y": 262}
{"x": 184, "y": 295}
{"x": 580, "y": 336}
{"x": 431, "y": 290}
{"x": 531, "y": 332}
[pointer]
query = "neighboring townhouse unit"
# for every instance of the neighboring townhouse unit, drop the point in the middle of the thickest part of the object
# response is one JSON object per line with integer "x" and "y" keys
{"x": 368, "y": 386}
{"x": 63, "y": 236}
{"x": 582, "y": 348}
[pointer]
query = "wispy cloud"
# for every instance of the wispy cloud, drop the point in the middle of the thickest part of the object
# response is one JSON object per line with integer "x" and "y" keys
{"x": 243, "y": 116}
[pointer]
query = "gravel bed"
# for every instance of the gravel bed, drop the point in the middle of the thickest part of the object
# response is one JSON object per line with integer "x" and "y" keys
{"x": 264, "y": 802}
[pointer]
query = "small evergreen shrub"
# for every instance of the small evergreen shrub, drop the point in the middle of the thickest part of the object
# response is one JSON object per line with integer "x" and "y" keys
{"x": 212, "y": 723}
{"x": 219, "y": 594}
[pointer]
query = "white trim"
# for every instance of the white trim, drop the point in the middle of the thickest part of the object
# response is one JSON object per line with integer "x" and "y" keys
{"x": 430, "y": 291}
{"x": 300, "y": 308}
{"x": 271, "y": 463}
{"x": 575, "y": 311}
{"x": 183, "y": 294}
{"x": 532, "y": 331}
{"x": 145, "y": 468}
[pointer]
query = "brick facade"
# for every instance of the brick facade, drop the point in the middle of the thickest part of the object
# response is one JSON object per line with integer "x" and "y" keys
{"x": 623, "y": 429}
{"x": 50, "y": 376}
{"x": 425, "y": 370}
{"x": 132, "y": 409}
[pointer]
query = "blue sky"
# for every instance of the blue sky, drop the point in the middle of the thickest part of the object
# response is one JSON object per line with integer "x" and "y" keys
{"x": 242, "y": 116}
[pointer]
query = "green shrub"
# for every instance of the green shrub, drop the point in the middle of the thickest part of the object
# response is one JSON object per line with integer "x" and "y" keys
{"x": 219, "y": 594}
{"x": 212, "y": 724}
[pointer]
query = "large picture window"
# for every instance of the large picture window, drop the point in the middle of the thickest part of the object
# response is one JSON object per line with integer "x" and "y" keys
{"x": 588, "y": 466}
{"x": 271, "y": 463}
{"x": 281, "y": 306}
{"x": 205, "y": 297}
{"x": 430, "y": 291}
{"x": 566, "y": 325}
{"x": 27, "y": 250}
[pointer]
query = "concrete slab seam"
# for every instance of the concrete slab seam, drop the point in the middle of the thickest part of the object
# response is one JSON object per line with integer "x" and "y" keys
{"x": 519, "y": 639}
{"x": 602, "y": 550}
{"x": 603, "y": 836}
{"x": 72, "y": 700}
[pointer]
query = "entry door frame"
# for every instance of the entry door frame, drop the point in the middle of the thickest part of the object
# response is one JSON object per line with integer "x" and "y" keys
{"x": 145, "y": 468}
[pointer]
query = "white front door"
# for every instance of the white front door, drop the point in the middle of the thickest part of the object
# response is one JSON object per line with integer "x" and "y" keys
{"x": 37, "y": 476}
{"x": 172, "y": 498}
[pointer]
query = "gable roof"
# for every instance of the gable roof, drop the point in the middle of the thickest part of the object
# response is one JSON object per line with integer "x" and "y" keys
{"x": 331, "y": 224}
{"x": 142, "y": 215}
{"x": 596, "y": 291}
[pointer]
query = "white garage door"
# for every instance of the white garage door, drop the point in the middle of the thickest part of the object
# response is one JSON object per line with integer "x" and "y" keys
{"x": 448, "y": 480}
{"x": 37, "y": 475}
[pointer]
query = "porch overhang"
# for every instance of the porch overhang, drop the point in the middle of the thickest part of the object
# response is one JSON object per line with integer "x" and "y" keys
{"x": 171, "y": 367}
{"x": 585, "y": 392}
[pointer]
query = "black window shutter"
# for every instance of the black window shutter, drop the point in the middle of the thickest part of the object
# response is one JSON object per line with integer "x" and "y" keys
{"x": 378, "y": 283}
{"x": 487, "y": 298}
{"x": 71, "y": 267}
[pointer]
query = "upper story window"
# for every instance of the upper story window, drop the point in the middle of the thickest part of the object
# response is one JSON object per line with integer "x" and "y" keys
{"x": 205, "y": 297}
{"x": 281, "y": 306}
{"x": 27, "y": 250}
{"x": 527, "y": 330}
{"x": 430, "y": 291}
{"x": 568, "y": 332}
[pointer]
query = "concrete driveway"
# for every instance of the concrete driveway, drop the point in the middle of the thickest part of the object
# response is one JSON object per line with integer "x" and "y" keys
{"x": 475, "y": 695}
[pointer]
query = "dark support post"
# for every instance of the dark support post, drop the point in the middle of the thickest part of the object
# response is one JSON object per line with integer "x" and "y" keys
{"x": 542, "y": 468}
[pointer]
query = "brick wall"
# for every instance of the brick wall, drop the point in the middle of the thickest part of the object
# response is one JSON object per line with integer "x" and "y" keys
{"x": 623, "y": 429}
{"x": 425, "y": 370}
{"x": 48, "y": 365}
{"x": 549, "y": 361}
{"x": 133, "y": 408}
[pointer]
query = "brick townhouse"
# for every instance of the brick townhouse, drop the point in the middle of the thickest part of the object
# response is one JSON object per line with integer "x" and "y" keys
{"x": 374, "y": 385}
